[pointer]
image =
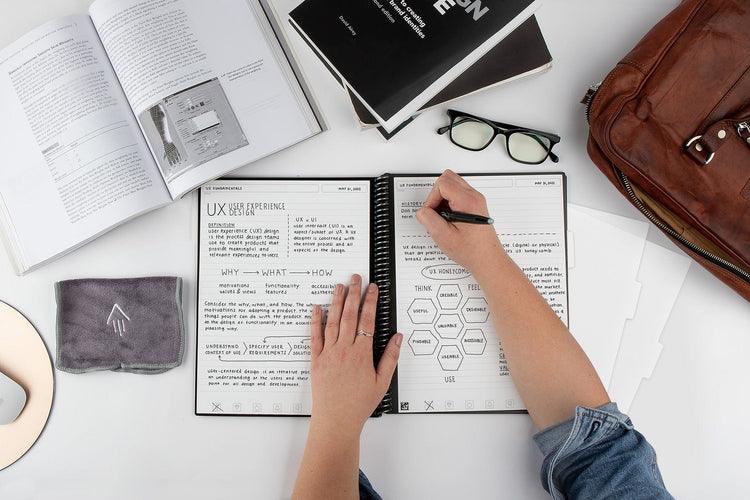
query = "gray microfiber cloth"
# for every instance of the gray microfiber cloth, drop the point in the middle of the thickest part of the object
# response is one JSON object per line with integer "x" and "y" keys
{"x": 132, "y": 325}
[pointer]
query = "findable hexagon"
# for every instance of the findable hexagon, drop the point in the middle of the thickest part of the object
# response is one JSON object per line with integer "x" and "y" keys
{"x": 474, "y": 341}
{"x": 422, "y": 311}
{"x": 450, "y": 358}
{"x": 448, "y": 326}
{"x": 423, "y": 342}
{"x": 476, "y": 310}
{"x": 449, "y": 296}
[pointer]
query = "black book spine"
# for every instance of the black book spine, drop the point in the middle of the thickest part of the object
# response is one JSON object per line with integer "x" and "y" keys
{"x": 383, "y": 275}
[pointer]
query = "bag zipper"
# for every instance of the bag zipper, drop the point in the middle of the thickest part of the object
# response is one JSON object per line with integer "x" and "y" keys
{"x": 589, "y": 98}
{"x": 674, "y": 234}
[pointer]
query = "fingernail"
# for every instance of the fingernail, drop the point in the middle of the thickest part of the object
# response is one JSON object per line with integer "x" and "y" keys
{"x": 338, "y": 289}
{"x": 372, "y": 288}
{"x": 399, "y": 338}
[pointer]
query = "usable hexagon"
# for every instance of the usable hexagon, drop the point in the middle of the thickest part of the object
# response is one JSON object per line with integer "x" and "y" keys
{"x": 476, "y": 310}
{"x": 474, "y": 341}
{"x": 422, "y": 342}
{"x": 450, "y": 358}
{"x": 449, "y": 296}
{"x": 448, "y": 326}
{"x": 422, "y": 311}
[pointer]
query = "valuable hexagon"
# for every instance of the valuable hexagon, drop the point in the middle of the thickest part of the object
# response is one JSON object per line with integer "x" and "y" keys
{"x": 450, "y": 358}
{"x": 449, "y": 296}
{"x": 476, "y": 310}
{"x": 474, "y": 341}
{"x": 422, "y": 311}
{"x": 448, "y": 326}
{"x": 423, "y": 342}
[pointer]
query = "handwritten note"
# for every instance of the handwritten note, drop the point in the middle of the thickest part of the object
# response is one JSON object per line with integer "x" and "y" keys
{"x": 451, "y": 359}
{"x": 269, "y": 251}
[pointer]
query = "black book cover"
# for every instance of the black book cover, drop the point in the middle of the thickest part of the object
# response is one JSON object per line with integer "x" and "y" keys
{"x": 397, "y": 54}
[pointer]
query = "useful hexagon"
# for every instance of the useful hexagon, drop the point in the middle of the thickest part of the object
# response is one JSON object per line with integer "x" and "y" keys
{"x": 423, "y": 342}
{"x": 449, "y": 296}
{"x": 448, "y": 326}
{"x": 476, "y": 310}
{"x": 450, "y": 358}
{"x": 474, "y": 341}
{"x": 422, "y": 311}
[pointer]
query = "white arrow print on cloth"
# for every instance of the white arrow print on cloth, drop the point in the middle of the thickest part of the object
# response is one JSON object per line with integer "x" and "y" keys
{"x": 118, "y": 324}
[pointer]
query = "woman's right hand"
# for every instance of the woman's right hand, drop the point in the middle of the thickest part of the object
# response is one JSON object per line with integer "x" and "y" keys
{"x": 473, "y": 246}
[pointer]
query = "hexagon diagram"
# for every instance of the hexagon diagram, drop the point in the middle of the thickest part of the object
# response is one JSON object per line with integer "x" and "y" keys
{"x": 448, "y": 326}
{"x": 474, "y": 341}
{"x": 423, "y": 342}
{"x": 422, "y": 311}
{"x": 476, "y": 310}
{"x": 450, "y": 358}
{"x": 449, "y": 296}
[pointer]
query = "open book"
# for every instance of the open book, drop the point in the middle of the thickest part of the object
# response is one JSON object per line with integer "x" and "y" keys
{"x": 113, "y": 114}
{"x": 271, "y": 249}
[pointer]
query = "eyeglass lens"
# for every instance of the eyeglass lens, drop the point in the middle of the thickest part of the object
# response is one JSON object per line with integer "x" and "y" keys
{"x": 522, "y": 146}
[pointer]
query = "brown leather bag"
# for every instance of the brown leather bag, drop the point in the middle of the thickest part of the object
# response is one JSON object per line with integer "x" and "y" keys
{"x": 670, "y": 128}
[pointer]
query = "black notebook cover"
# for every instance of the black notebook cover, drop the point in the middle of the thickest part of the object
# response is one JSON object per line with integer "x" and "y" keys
{"x": 397, "y": 55}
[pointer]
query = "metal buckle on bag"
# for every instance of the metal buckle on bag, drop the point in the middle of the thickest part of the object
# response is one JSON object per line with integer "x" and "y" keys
{"x": 699, "y": 148}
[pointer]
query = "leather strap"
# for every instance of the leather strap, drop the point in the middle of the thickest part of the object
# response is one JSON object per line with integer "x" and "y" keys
{"x": 703, "y": 147}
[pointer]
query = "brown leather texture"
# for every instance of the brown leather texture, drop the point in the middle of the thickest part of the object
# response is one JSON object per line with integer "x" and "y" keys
{"x": 688, "y": 78}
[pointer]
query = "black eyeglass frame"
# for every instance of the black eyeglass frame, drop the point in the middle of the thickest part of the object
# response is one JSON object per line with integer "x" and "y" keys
{"x": 506, "y": 130}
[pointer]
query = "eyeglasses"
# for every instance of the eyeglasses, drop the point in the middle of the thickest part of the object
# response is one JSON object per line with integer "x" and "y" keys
{"x": 524, "y": 145}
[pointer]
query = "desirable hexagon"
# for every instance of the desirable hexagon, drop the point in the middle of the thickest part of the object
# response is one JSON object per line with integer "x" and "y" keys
{"x": 449, "y": 296}
{"x": 448, "y": 326}
{"x": 476, "y": 310}
{"x": 474, "y": 341}
{"x": 422, "y": 311}
{"x": 422, "y": 342}
{"x": 450, "y": 358}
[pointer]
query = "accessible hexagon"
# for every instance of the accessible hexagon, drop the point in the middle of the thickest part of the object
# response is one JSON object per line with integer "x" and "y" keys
{"x": 450, "y": 358}
{"x": 476, "y": 310}
{"x": 449, "y": 296}
{"x": 423, "y": 342}
{"x": 474, "y": 341}
{"x": 448, "y": 326}
{"x": 422, "y": 311}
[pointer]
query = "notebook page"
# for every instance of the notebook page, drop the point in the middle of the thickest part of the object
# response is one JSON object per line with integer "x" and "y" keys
{"x": 269, "y": 251}
{"x": 451, "y": 359}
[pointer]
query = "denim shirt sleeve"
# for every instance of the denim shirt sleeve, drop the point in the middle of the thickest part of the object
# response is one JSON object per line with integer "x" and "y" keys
{"x": 598, "y": 454}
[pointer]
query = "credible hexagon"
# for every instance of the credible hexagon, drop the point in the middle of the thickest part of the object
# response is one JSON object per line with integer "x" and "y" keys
{"x": 474, "y": 341}
{"x": 422, "y": 311}
{"x": 449, "y": 296}
{"x": 476, "y": 310}
{"x": 450, "y": 358}
{"x": 448, "y": 326}
{"x": 423, "y": 342}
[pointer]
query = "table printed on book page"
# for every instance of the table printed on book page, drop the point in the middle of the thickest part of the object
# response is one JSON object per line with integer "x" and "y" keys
{"x": 269, "y": 251}
{"x": 451, "y": 359}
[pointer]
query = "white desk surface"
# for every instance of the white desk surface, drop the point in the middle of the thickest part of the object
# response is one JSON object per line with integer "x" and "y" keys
{"x": 114, "y": 435}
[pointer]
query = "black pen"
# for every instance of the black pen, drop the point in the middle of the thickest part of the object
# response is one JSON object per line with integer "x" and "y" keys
{"x": 462, "y": 217}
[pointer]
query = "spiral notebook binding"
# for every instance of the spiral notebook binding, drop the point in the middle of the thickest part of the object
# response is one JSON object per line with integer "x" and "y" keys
{"x": 381, "y": 272}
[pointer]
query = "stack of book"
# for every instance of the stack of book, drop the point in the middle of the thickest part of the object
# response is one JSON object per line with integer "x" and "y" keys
{"x": 397, "y": 58}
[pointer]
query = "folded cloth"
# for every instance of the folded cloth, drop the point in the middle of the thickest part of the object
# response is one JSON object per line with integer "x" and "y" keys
{"x": 132, "y": 325}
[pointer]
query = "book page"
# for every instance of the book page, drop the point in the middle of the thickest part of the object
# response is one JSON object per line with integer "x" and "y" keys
{"x": 269, "y": 251}
{"x": 207, "y": 81}
{"x": 451, "y": 360}
{"x": 74, "y": 162}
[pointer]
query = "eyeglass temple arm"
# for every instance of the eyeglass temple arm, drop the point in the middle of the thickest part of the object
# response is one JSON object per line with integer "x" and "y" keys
{"x": 443, "y": 130}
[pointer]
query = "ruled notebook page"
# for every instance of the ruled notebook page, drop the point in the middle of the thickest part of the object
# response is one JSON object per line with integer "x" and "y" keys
{"x": 451, "y": 359}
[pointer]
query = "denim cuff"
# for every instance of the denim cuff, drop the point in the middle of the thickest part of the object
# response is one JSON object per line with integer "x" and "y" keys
{"x": 553, "y": 437}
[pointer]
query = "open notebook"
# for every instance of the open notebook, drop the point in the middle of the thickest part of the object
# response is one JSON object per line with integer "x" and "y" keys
{"x": 271, "y": 249}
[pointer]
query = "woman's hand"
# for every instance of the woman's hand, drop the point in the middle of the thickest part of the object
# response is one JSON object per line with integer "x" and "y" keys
{"x": 471, "y": 245}
{"x": 346, "y": 386}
